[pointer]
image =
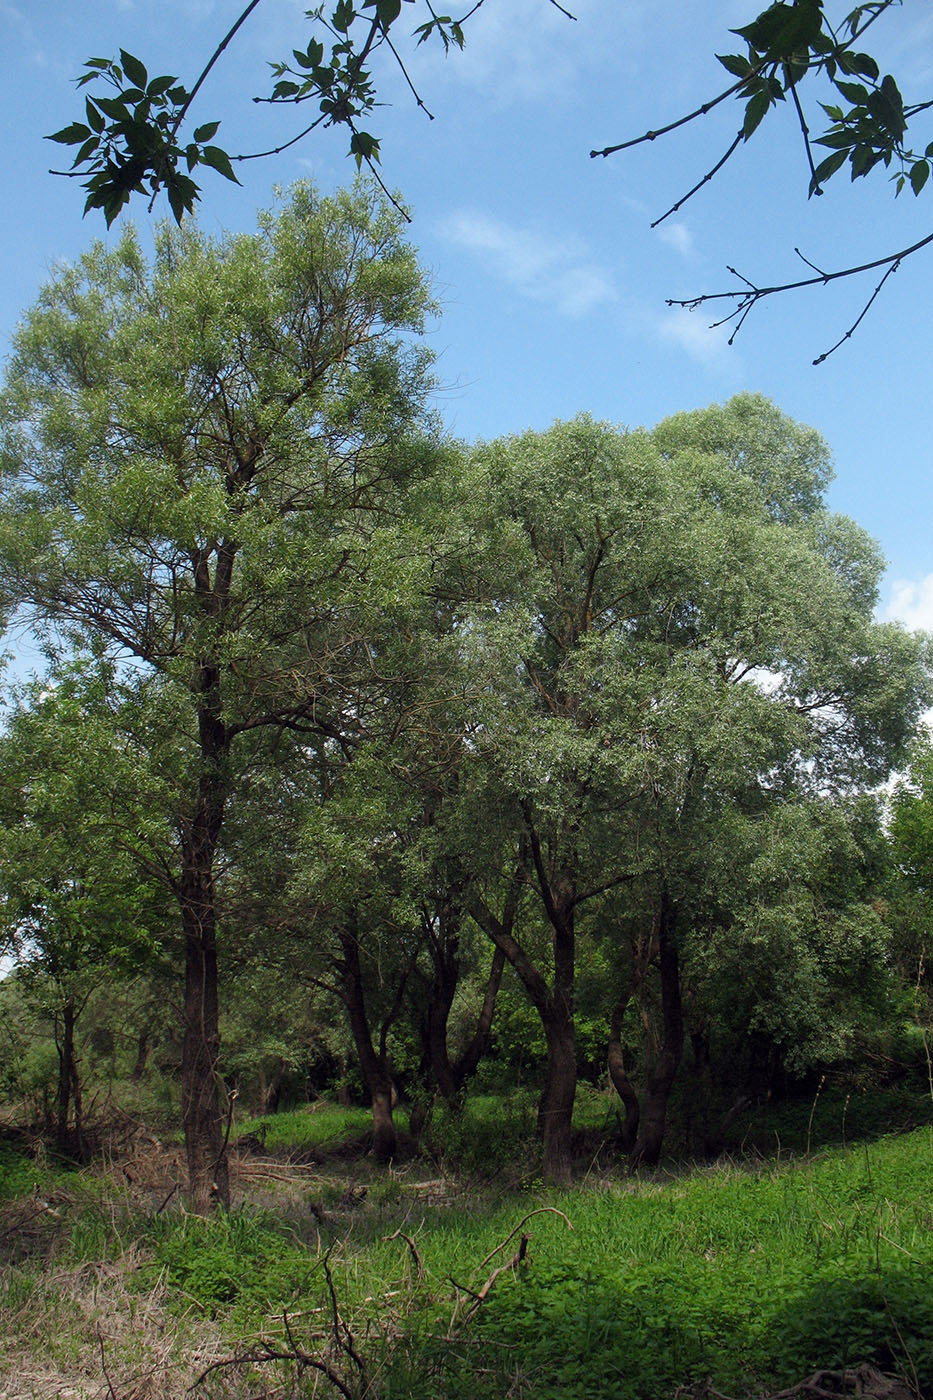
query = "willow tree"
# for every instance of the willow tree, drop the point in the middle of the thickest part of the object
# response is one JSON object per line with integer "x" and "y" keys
{"x": 197, "y": 454}
{"x": 678, "y": 629}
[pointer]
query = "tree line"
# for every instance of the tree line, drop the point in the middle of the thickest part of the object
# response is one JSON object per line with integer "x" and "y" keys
{"x": 342, "y": 714}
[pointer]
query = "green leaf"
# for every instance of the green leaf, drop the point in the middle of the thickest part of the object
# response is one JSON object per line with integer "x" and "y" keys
{"x": 115, "y": 109}
{"x": 388, "y": 11}
{"x": 134, "y": 69}
{"x": 826, "y": 168}
{"x": 919, "y": 174}
{"x": 160, "y": 86}
{"x": 854, "y": 93}
{"x": 96, "y": 119}
{"x": 864, "y": 63}
{"x": 71, "y": 135}
{"x": 364, "y": 146}
{"x": 735, "y": 64}
{"x": 89, "y": 147}
{"x": 755, "y": 111}
{"x": 205, "y": 132}
{"x": 343, "y": 16}
{"x": 218, "y": 160}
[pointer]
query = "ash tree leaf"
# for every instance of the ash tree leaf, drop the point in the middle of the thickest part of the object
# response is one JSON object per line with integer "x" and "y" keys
{"x": 71, "y": 135}
{"x": 919, "y": 174}
{"x": 134, "y": 69}
{"x": 96, "y": 119}
{"x": 735, "y": 64}
{"x": 206, "y": 132}
{"x": 755, "y": 111}
{"x": 218, "y": 160}
{"x": 826, "y": 168}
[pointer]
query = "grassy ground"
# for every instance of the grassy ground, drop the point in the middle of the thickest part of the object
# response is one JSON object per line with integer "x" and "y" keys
{"x": 745, "y": 1278}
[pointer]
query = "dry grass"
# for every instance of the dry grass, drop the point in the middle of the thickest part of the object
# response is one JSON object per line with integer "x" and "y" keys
{"x": 82, "y": 1334}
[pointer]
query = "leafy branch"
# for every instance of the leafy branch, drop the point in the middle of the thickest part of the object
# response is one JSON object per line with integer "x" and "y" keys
{"x": 129, "y": 142}
{"x": 869, "y": 126}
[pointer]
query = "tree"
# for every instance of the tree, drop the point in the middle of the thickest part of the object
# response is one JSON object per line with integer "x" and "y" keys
{"x": 77, "y": 904}
{"x": 804, "y": 54}
{"x": 196, "y": 457}
{"x": 678, "y": 629}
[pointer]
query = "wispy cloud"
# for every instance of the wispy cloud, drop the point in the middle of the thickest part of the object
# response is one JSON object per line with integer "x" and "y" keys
{"x": 677, "y": 236}
{"x": 912, "y": 603}
{"x": 556, "y": 271}
{"x": 707, "y": 344}
{"x": 521, "y": 50}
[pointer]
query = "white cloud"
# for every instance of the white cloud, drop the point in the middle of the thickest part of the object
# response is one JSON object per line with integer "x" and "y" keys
{"x": 678, "y": 237}
{"x": 556, "y": 271}
{"x": 691, "y": 331}
{"x": 912, "y": 603}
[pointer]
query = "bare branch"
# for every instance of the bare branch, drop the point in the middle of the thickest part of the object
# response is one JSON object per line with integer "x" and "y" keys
{"x": 700, "y": 183}
{"x": 745, "y": 298}
{"x": 700, "y": 111}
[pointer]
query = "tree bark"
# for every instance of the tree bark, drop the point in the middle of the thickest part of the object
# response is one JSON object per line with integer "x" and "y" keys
{"x": 444, "y": 943}
{"x": 69, "y": 1086}
{"x": 661, "y": 1075}
{"x": 373, "y": 1064}
{"x": 466, "y": 1065}
{"x": 620, "y": 1080}
{"x": 205, "y": 1145}
{"x": 143, "y": 1042}
{"x": 554, "y": 1006}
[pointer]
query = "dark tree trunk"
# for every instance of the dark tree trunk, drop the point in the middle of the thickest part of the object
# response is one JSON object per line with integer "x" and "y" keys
{"x": 272, "y": 1089}
{"x": 374, "y": 1064}
{"x": 555, "y": 1110}
{"x": 661, "y": 1075}
{"x": 68, "y": 1142}
{"x": 143, "y": 1043}
{"x": 620, "y": 1080}
{"x": 466, "y": 1066}
{"x": 205, "y": 1145}
{"x": 444, "y": 943}
{"x": 554, "y": 1006}
{"x": 645, "y": 950}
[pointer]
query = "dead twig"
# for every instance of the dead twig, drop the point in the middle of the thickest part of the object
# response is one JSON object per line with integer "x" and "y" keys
{"x": 400, "y": 1235}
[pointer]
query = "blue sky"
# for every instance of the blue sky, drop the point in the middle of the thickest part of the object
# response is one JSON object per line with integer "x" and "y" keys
{"x": 551, "y": 282}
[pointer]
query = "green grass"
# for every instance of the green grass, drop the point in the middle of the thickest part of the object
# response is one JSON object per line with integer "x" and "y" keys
{"x": 320, "y": 1125}
{"x": 753, "y": 1276}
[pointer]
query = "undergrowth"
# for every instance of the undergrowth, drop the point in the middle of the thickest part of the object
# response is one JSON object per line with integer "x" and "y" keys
{"x": 742, "y": 1277}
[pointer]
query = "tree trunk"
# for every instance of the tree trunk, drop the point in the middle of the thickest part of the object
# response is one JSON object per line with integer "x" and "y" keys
{"x": 468, "y": 1062}
{"x": 620, "y": 1080}
{"x": 272, "y": 1090}
{"x": 555, "y": 1110}
{"x": 373, "y": 1065}
{"x": 142, "y": 1055}
{"x": 554, "y": 1006}
{"x": 661, "y": 1076}
{"x": 69, "y": 1086}
{"x": 205, "y": 1144}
